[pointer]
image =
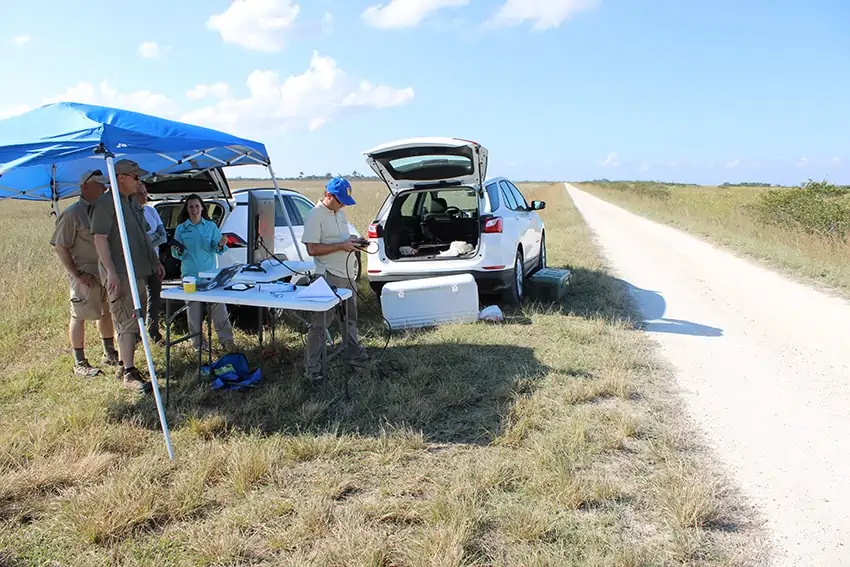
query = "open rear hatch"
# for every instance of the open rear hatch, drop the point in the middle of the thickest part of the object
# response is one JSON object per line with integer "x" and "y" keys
{"x": 207, "y": 184}
{"x": 421, "y": 162}
{"x": 437, "y": 184}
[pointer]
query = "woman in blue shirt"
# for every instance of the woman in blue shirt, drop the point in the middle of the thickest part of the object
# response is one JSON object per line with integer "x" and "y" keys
{"x": 202, "y": 242}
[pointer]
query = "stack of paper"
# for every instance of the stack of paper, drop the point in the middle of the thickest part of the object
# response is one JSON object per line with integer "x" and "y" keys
{"x": 319, "y": 290}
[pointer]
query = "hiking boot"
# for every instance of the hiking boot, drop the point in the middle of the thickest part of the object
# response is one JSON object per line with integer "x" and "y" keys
{"x": 86, "y": 370}
{"x": 110, "y": 358}
{"x": 133, "y": 380}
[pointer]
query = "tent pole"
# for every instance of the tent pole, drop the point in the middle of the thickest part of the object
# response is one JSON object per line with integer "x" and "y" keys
{"x": 285, "y": 213}
{"x": 137, "y": 304}
{"x": 53, "y": 191}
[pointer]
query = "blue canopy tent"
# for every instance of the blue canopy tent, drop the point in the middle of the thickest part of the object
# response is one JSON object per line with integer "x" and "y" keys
{"x": 44, "y": 152}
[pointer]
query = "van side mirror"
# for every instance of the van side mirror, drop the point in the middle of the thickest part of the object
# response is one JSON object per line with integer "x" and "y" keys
{"x": 538, "y": 205}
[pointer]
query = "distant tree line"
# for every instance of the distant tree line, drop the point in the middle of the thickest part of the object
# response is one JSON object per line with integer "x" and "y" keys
{"x": 749, "y": 184}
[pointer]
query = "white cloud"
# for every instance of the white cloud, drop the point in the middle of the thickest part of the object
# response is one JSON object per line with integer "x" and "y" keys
{"x": 803, "y": 162}
{"x": 151, "y": 50}
{"x": 215, "y": 90}
{"x": 259, "y": 25}
{"x": 733, "y": 164}
{"x": 405, "y": 13}
{"x": 105, "y": 95}
{"x": 327, "y": 24}
{"x": 14, "y": 110}
{"x": 21, "y": 40}
{"x": 310, "y": 100}
{"x": 545, "y": 14}
{"x": 611, "y": 160}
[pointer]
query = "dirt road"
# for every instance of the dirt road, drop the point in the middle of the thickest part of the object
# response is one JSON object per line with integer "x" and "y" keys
{"x": 764, "y": 368}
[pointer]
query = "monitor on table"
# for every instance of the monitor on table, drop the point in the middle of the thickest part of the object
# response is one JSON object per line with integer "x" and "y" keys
{"x": 261, "y": 233}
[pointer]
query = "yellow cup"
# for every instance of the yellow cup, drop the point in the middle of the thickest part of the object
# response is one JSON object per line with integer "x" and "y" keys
{"x": 189, "y": 284}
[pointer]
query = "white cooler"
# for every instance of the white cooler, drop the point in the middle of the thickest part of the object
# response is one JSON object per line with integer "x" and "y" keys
{"x": 428, "y": 302}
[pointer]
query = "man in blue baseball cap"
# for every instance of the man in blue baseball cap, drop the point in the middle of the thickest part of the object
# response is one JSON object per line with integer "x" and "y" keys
{"x": 331, "y": 245}
{"x": 340, "y": 189}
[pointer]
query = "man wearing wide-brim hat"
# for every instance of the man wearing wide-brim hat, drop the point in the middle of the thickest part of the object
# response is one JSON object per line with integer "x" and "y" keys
{"x": 73, "y": 243}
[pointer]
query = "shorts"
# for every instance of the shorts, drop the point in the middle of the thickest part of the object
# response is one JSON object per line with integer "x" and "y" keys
{"x": 121, "y": 306}
{"x": 88, "y": 303}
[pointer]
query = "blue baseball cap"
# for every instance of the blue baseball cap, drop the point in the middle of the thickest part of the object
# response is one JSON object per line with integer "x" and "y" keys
{"x": 340, "y": 188}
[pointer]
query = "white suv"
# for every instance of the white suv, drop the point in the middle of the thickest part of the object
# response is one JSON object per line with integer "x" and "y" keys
{"x": 229, "y": 210}
{"x": 442, "y": 217}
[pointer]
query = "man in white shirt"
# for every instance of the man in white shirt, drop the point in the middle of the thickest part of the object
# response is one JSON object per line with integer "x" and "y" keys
{"x": 158, "y": 237}
{"x": 330, "y": 243}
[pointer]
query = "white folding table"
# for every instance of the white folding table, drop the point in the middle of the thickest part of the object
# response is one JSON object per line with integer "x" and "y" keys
{"x": 286, "y": 301}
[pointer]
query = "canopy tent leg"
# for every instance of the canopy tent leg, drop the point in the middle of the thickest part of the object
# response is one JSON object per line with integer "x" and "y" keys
{"x": 285, "y": 214}
{"x": 137, "y": 304}
{"x": 54, "y": 193}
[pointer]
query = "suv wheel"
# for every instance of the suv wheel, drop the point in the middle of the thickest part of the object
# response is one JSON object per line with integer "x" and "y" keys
{"x": 359, "y": 271}
{"x": 541, "y": 259}
{"x": 514, "y": 294}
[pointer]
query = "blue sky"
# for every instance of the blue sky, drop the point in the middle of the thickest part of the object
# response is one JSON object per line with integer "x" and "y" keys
{"x": 679, "y": 90}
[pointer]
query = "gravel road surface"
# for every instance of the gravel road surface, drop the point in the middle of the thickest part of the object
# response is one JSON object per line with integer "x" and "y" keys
{"x": 763, "y": 364}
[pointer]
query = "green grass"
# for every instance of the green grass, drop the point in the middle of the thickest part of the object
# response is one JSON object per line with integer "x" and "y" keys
{"x": 733, "y": 216}
{"x": 552, "y": 439}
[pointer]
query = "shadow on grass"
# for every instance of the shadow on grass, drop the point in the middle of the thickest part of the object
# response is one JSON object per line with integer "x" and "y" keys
{"x": 452, "y": 393}
{"x": 594, "y": 293}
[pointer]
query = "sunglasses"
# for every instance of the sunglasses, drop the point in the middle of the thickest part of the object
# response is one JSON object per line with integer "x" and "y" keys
{"x": 95, "y": 173}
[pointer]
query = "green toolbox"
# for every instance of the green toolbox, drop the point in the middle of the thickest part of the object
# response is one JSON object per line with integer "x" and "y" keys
{"x": 549, "y": 285}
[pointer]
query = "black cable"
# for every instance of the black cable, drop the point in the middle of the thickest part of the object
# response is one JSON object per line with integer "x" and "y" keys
{"x": 354, "y": 289}
{"x": 281, "y": 262}
{"x": 383, "y": 350}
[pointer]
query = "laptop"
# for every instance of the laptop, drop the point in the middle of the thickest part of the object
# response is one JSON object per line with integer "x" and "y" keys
{"x": 221, "y": 279}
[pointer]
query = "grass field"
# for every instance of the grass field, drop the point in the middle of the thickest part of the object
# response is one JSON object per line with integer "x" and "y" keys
{"x": 553, "y": 439}
{"x": 724, "y": 216}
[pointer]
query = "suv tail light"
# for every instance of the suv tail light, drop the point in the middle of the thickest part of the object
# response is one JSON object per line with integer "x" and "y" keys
{"x": 234, "y": 240}
{"x": 374, "y": 230}
{"x": 493, "y": 225}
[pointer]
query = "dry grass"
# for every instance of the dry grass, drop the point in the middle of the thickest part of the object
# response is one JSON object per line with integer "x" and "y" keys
{"x": 719, "y": 214}
{"x": 550, "y": 440}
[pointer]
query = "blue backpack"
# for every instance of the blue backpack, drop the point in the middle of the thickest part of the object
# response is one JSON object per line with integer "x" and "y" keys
{"x": 232, "y": 372}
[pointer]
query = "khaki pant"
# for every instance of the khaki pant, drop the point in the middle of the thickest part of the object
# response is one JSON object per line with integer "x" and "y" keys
{"x": 218, "y": 314}
{"x": 88, "y": 303}
{"x": 316, "y": 335}
{"x": 121, "y": 306}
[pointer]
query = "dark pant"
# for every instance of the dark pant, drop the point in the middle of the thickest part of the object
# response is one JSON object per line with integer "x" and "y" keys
{"x": 154, "y": 288}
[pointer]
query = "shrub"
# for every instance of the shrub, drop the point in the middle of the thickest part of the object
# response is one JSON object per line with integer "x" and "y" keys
{"x": 816, "y": 207}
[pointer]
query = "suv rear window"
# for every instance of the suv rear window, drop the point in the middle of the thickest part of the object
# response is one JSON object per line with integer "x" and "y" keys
{"x": 428, "y": 163}
{"x": 181, "y": 185}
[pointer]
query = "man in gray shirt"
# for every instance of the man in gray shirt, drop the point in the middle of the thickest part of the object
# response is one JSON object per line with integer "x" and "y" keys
{"x": 107, "y": 240}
